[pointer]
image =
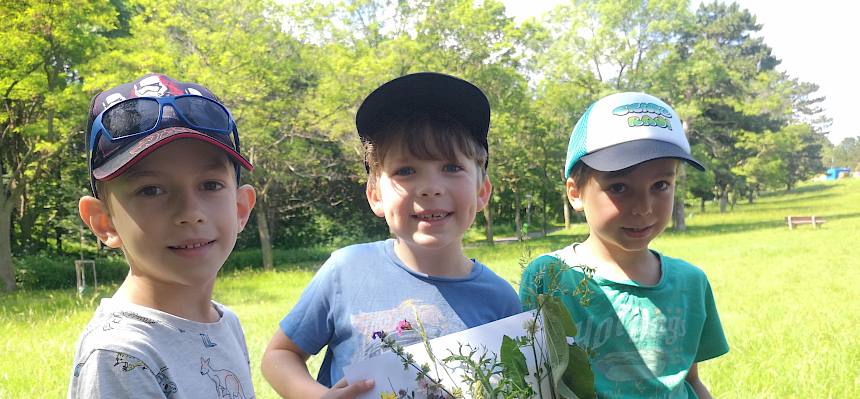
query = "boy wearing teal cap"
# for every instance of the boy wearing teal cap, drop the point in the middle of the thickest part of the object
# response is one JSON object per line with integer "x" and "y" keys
{"x": 651, "y": 318}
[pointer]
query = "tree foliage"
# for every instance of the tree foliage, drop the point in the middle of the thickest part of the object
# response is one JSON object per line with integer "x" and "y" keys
{"x": 294, "y": 74}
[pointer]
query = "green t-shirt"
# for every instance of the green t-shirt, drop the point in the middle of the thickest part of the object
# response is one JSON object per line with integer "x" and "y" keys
{"x": 644, "y": 338}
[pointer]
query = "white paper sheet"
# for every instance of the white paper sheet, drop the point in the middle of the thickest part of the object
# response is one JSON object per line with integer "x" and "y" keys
{"x": 387, "y": 369}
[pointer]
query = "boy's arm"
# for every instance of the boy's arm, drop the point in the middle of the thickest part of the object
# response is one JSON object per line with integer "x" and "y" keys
{"x": 697, "y": 384}
{"x": 285, "y": 368}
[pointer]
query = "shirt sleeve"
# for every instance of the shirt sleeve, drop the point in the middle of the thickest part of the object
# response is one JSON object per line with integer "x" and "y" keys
{"x": 310, "y": 323}
{"x": 713, "y": 341}
{"x": 108, "y": 374}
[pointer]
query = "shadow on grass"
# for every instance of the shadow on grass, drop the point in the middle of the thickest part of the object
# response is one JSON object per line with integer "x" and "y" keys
{"x": 557, "y": 239}
{"x": 793, "y": 199}
{"x": 737, "y": 227}
{"x": 812, "y": 188}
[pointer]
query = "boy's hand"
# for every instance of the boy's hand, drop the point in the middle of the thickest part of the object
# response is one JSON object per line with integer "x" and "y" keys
{"x": 342, "y": 390}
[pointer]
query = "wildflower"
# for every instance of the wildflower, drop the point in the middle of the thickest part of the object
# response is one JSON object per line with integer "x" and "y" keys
{"x": 530, "y": 326}
{"x": 380, "y": 334}
{"x": 403, "y": 325}
{"x": 387, "y": 395}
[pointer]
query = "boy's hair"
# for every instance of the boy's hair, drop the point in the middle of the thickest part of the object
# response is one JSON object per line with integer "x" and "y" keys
{"x": 444, "y": 112}
{"x": 427, "y": 136}
{"x": 625, "y": 129}
{"x": 131, "y": 120}
{"x": 580, "y": 173}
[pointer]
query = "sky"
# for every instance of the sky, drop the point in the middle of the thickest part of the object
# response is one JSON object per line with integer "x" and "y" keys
{"x": 817, "y": 42}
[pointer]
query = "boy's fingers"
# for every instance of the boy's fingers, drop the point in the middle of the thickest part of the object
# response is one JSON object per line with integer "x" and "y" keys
{"x": 340, "y": 384}
{"x": 347, "y": 390}
{"x": 358, "y": 388}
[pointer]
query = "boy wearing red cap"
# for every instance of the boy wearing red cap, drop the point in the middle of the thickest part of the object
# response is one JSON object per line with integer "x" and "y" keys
{"x": 164, "y": 166}
{"x": 650, "y": 318}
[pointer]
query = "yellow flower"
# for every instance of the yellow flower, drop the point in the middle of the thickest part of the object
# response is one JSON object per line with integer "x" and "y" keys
{"x": 387, "y": 395}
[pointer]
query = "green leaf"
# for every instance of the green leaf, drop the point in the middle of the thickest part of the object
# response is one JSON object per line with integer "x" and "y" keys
{"x": 514, "y": 362}
{"x": 556, "y": 324}
{"x": 578, "y": 375}
{"x": 555, "y": 309}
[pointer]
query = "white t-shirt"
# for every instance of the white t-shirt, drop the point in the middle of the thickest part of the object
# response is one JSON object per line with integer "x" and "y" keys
{"x": 131, "y": 351}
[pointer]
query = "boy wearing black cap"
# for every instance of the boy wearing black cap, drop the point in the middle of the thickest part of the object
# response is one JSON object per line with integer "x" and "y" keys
{"x": 164, "y": 166}
{"x": 425, "y": 138}
{"x": 651, "y": 318}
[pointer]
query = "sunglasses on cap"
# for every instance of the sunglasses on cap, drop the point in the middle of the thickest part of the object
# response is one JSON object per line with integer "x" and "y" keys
{"x": 140, "y": 116}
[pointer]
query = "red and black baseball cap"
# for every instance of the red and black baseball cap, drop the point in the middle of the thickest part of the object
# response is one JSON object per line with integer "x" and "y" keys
{"x": 153, "y": 121}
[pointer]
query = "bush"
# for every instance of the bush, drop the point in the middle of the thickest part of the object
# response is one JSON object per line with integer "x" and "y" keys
{"x": 45, "y": 272}
{"x": 253, "y": 258}
{"x": 42, "y": 272}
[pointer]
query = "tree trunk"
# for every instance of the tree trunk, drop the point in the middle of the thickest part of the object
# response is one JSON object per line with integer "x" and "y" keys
{"x": 265, "y": 239}
{"x": 545, "y": 221}
{"x": 488, "y": 216}
{"x": 7, "y": 270}
{"x": 702, "y": 205}
{"x": 566, "y": 205}
{"x": 724, "y": 199}
{"x": 679, "y": 223}
{"x": 518, "y": 222}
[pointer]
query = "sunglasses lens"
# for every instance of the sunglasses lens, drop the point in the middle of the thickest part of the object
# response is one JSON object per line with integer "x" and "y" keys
{"x": 203, "y": 113}
{"x": 130, "y": 117}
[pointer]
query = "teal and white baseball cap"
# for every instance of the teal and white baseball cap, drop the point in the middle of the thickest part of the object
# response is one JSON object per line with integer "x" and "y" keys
{"x": 625, "y": 129}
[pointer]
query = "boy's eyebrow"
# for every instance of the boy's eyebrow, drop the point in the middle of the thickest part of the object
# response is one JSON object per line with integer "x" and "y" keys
{"x": 627, "y": 171}
{"x": 215, "y": 165}
{"x": 136, "y": 174}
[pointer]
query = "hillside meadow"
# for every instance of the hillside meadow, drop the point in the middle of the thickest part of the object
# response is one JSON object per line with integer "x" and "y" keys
{"x": 787, "y": 300}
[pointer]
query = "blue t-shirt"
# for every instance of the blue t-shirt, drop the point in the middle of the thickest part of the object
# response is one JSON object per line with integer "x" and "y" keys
{"x": 643, "y": 338}
{"x": 365, "y": 288}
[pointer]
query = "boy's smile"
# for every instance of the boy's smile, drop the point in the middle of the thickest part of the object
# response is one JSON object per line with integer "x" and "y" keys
{"x": 176, "y": 213}
{"x": 625, "y": 210}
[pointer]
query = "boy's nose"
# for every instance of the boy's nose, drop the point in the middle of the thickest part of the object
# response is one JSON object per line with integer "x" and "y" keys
{"x": 430, "y": 188}
{"x": 642, "y": 205}
{"x": 188, "y": 210}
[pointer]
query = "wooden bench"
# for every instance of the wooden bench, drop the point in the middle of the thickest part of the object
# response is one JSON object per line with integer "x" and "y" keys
{"x": 795, "y": 220}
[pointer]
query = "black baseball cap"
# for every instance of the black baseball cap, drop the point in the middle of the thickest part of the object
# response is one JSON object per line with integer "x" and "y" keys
{"x": 425, "y": 92}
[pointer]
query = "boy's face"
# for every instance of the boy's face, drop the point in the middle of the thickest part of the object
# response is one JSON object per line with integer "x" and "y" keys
{"x": 428, "y": 204}
{"x": 176, "y": 213}
{"x": 625, "y": 210}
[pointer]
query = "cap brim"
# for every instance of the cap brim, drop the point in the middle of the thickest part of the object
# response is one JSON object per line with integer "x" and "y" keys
{"x": 624, "y": 155}
{"x": 139, "y": 149}
{"x": 425, "y": 91}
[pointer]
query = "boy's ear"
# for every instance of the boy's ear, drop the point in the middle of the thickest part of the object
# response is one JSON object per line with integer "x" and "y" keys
{"x": 484, "y": 192}
{"x": 375, "y": 201}
{"x": 95, "y": 215}
{"x": 246, "y": 198}
{"x": 573, "y": 194}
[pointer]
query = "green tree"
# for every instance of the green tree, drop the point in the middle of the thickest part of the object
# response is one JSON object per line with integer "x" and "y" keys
{"x": 846, "y": 154}
{"x": 239, "y": 51}
{"x": 44, "y": 43}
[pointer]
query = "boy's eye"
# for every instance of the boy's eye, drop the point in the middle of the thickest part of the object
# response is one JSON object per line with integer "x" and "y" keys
{"x": 617, "y": 188}
{"x": 212, "y": 186}
{"x": 149, "y": 191}
{"x": 404, "y": 171}
{"x": 452, "y": 168}
{"x": 662, "y": 185}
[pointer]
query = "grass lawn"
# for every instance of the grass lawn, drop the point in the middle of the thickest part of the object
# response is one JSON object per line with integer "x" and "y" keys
{"x": 787, "y": 300}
